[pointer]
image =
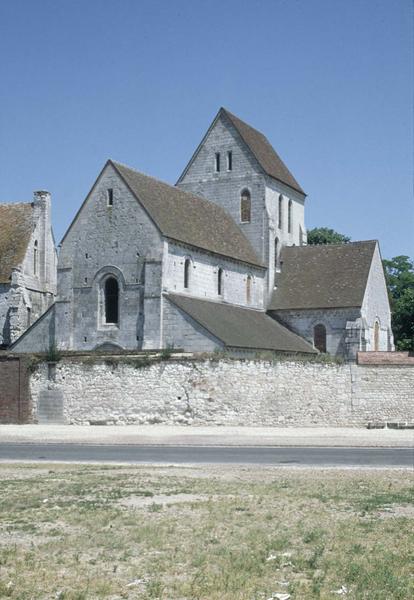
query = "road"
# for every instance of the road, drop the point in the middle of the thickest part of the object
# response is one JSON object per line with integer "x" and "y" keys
{"x": 294, "y": 456}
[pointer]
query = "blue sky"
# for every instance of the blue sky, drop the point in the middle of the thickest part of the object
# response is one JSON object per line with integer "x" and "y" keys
{"x": 330, "y": 82}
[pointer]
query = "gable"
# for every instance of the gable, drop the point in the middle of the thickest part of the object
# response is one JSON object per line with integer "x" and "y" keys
{"x": 376, "y": 301}
{"x": 16, "y": 222}
{"x": 101, "y": 234}
{"x": 325, "y": 276}
{"x": 258, "y": 146}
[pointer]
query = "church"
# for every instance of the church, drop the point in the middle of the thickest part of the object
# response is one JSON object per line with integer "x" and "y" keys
{"x": 219, "y": 261}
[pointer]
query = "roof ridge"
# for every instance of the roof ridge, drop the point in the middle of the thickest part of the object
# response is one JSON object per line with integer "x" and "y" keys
{"x": 212, "y": 301}
{"x": 354, "y": 243}
{"x": 15, "y": 203}
{"x": 178, "y": 189}
{"x": 263, "y": 151}
{"x": 233, "y": 116}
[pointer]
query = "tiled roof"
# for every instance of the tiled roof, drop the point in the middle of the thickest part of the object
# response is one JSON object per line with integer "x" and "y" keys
{"x": 325, "y": 276}
{"x": 263, "y": 151}
{"x": 15, "y": 232}
{"x": 186, "y": 218}
{"x": 239, "y": 327}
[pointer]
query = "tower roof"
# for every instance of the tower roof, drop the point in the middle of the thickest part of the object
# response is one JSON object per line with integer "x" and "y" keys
{"x": 263, "y": 151}
{"x": 260, "y": 147}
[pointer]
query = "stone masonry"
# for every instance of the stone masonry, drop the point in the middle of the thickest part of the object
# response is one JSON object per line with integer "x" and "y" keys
{"x": 119, "y": 390}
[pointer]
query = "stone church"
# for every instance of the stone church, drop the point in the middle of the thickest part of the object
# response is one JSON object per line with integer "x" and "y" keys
{"x": 218, "y": 261}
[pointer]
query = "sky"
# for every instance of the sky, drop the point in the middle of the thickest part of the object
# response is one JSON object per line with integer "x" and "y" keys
{"x": 329, "y": 82}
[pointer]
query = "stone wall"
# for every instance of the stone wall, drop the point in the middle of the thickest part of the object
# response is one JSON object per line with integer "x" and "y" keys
{"x": 225, "y": 392}
{"x": 303, "y": 321}
{"x": 204, "y": 274}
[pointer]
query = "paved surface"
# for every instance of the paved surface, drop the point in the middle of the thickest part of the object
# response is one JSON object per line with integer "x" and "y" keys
{"x": 174, "y": 435}
{"x": 320, "y": 457}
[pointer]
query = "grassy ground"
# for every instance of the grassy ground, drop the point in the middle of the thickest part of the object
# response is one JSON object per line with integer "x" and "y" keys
{"x": 73, "y": 532}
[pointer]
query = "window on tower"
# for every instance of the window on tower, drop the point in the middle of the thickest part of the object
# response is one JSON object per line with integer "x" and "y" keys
{"x": 217, "y": 162}
{"x": 245, "y": 206}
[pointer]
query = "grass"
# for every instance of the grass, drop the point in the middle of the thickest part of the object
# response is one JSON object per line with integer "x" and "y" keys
{"x": 230, "y": 533}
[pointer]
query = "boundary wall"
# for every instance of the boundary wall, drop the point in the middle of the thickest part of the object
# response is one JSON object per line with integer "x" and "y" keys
{"x": 219, "y": 391}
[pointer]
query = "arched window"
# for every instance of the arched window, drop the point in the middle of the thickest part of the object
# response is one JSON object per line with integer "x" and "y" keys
{"x": 245, "y": 206}
{"x": 111, "y": 292}
{"x": 276, "y": 252}
{"x": 319, "y": 337}
{"x": 280, "y": 212}
{"x": 220, "y": 282}
{"x": 249, "y": 289}
{"x": 376, "y": 336}
{"x": 290, "y": 216}
{"x": 35, "y": 257}
{"x": 187, "y": 266}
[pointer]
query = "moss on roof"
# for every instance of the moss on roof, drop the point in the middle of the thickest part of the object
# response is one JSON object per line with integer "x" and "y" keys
{"x": 187, "y": 218}
{"x": 15, "y": 231}
{"x": 325, "y": 276}
{"x": 264, "y": 152}
{"x": 239, "y": 327}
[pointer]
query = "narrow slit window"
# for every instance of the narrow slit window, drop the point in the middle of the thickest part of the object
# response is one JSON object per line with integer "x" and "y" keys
{"x": 29, "y": 316}
{"x": 217, "y": 162}
{"x": 111, "y": 300}
{"x": 280, "y": 212}
{"x": 110, "y": 196}
{"x": 245, "y": 207}
{"x": 220, "y": 282}
{"x": 229, "y": 161}
{"x": 249, "y": 289}
{"x": 187, "y": 266}
{"x": 35, "y": 257}
{"x": 376, "y": 336}
{"x": 276, "y": 253}
{"x": 290, "y": 216}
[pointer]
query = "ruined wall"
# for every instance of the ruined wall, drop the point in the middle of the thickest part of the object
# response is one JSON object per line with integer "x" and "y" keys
{"x": 225, "y": 392}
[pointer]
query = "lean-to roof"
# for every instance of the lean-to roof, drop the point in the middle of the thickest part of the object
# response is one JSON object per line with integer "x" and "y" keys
{"x": 239, "y": 327}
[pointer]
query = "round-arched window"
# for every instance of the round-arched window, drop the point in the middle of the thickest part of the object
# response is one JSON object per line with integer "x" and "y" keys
{"x": 111, "y": 293}
{"x": 187, "y": 265}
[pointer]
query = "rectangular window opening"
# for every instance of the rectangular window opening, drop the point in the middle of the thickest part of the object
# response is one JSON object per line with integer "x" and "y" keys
{"x": 229, "y": 161}
{"x": 110, "y": 196}
{"x": 217, "y": 162}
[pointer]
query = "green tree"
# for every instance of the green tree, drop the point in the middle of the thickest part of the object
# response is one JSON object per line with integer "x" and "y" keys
{"x": 324, "y": 235}
{"x": 399, "y": 272}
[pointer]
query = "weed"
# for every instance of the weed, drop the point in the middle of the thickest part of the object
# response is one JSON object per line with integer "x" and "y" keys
{"x": 53, "y": 354}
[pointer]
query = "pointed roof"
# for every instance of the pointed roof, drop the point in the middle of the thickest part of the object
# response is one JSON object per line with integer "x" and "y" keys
{"x": 259, "y": 146}
{"x": 16, "y": 224}
{"x": 239, "y": 327}
{"x": 325, "y": 276}
{"x": 186, "y": 218}
{"x": 264, "y": 152}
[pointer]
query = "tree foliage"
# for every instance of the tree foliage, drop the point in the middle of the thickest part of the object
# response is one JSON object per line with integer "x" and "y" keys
{"x": 399, "y": 272}
{"x": 324, "y": 235}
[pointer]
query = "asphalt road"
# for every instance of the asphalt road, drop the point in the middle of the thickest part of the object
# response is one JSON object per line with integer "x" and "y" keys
{"x": 319, "y": 457}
